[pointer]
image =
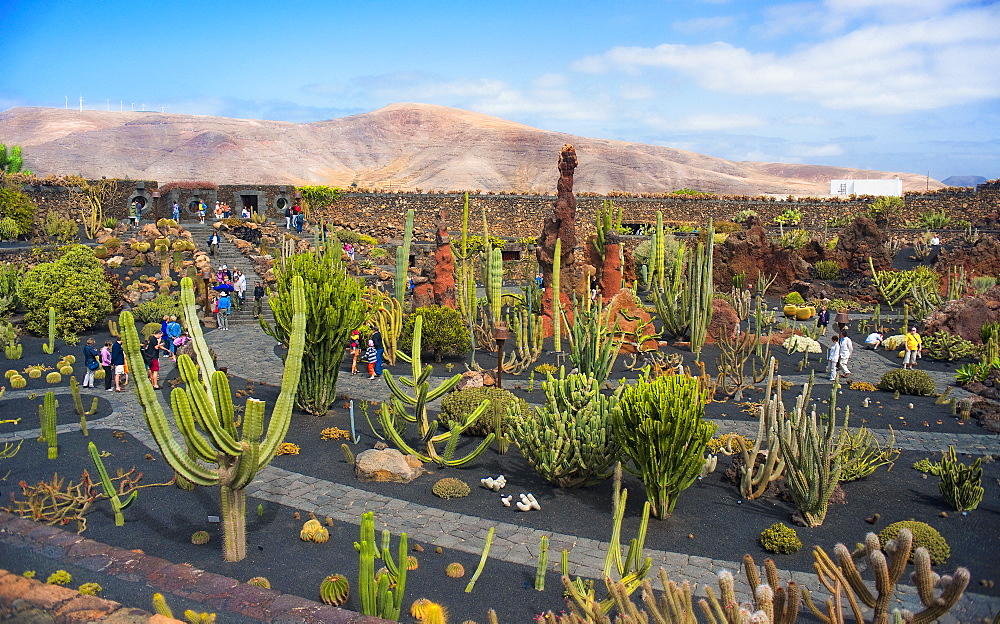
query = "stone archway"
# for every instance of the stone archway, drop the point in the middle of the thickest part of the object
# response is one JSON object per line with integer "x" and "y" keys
{"x": 254, "y": 199}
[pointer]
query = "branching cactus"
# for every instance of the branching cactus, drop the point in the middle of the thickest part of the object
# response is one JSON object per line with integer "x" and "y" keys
{"x": 702, "y": 290}
{"x": 74, "y": 388}
{"x": 569, "y": 439}
{"x": 377, "y": 599}
{"x": 961, "y": 485}
{"x": 422, "y": 395}
{"x": 203, "y": 411}
{"x": 812, "y": 448}
{"x": 117, "y": 504}
{"x": 593, "y": 341}
{"x": 755, "y": 478}
{"x": 888, "y": 567}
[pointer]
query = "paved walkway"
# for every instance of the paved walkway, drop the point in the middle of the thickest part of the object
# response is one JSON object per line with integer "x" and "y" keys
{"x": 248, "y": 352}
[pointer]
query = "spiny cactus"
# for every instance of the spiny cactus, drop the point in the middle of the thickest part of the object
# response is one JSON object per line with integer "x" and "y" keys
{"x": 313, "y": 531}
{"x": 260, "y": 581}
{"x": 376, "y": 597}
{"x": 117, "y": 504}
{"x": 569, "y": 440}
{"x": 74, "y": 388}
{"x": 403, "y": 258}
{"x": 47, "y": 417}
{"x": 961, "y": 485}
{"x": 199, "y": 538}
{"x": 454, "y": 570}
{"x": 334, "y": 590}
{"x": 206, "y": 404}
{"x": 50, "y": 346}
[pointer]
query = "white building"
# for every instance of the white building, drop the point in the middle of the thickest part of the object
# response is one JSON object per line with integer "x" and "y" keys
{"x": 893, "y": 187}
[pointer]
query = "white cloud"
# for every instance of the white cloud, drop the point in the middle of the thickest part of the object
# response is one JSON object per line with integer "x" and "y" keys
{"x": 815, "y": 151}
{"x": 900, "y": 66}
{"x": 702, "y": 123}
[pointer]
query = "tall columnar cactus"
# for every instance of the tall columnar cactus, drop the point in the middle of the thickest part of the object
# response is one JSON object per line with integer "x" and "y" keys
{"x": 961, "y": 485}
{"x": 662, "y": 429}
{"x": 376, "y": 597}
{"x": 568, "y": 440}
{"x": 754, "y": 477}
{"x": 334, "y": 307}
{"x": 422, "y": 395}
{"x": 403, "y": 258}
{"x": 593, "y": 343}
{"x": 494, "y": 283}
{"x": 888, "y": 568}
{"x": 812, "y": 448}
{"x": 50, "y": 346}
{"x": 74, "y": 388}
{"x": 47, "y": 416}
{"x": 702, "y": 289}
{"x": 117, "y": 504}
{"x": 556, "y": 297}
{"x": 671, "y": 295}
{"x": 204, "y": 413}
{"x": 607, "y": 221}
{"x": 387, "y": 315}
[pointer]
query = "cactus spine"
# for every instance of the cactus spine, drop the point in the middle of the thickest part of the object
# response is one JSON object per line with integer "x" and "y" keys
{"x": 74, "y": 388}
{"x": 117, "y": 504}
{"x": 569, "y": 439}
{"x": 422, "y": 395}
{"x": 961, "y": 485}
{"x": 206, "y": 404}
{"x": 403, "y": 259}
{"x": 812, "y": 448}
{"x": 556, "y": 298}
{"x": 47, "y": 416}
{"x": 543, "y": 558}
{"x": 50, "y": 346}
{"x": 376, "y": 597}
{"x": 334, "y": 590}
{"x": 888, "y": 568}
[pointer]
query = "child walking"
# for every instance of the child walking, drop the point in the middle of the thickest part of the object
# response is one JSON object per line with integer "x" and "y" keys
{"x": 371, "y": 355}
{"x": 833, "y": 356}
{"x": 355, "y": 350}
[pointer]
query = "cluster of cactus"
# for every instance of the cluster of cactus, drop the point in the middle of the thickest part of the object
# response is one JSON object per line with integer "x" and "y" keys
{"x": 313, "y": 531}
{"x": 863, "y": 453}
{"x": 386, "y": 313}
{"x": 8, "y": 338}
{"x": 422, "y": 395}
{"x": 376, "y": 597}
{"x": 427, "y": 612}
{"x": 887, "y": 567}
{"x": 450, "y": 487}
{"x": 662, "y": 428}
{"x": 503, "y": 412}
{"x": 17, "y": 381}
{"x": 907, "y": 381}
{"x": 593, "y": 342}
{"x": 569, "y": 439}
{"x": 161, "y": 607}
{"x": 206, "y": 403}
{"x": 812, "y": 448}
{"x": 117, "y": 504}
{"x": 779, "y": 538}
{"x": 334, "y": 590}
{"x": 961, "y": 485}
{"x": 924, "y": 536}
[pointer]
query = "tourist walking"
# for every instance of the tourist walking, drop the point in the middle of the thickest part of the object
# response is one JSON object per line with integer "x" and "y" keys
{"x": 118, "y": 362}
{"x": 371, "y": 356}
{"x": 240, "y": 286}
{"x": 213, "y": 243}
{"x": 109, "y": 370}
{"x": 823, "y": 319}
{"x": 174, "y": 331}
{"x": 832, "y": 356}
{"x": 223, "y": 306}
{"x": 846, "y": 351}
{"x": 90, "y": 362}
{"x": 913, "y": 344}
{"x": 151, "y": 357}
{"x": 299, "y": 222}
{"x": 258, "y": 299}
{"x": 376, "y": 339}
{"x": 177, "y": 212}
{"x": 288, "y": 218}
{"x": 354, "y": 349}
{"x": 201, "y": 212}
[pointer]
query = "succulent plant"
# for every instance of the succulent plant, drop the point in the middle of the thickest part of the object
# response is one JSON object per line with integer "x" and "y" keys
{"x": 260, "y": 581}
{"x": 779, "y": 538}
{"x": 412, "y": 563}
{"x": 924, "y": 536}
{"x": 200, "y": 537}
{"x": 419, "y": 608}
{"x": 455, "y": 570}
{"x": 53, "y": 378}
{"x": 334, "y": 590}
{"x": 17, "y": 382}
{"x": 450, "y": 487}
{"x": 313, "y": 531}
{"x": 60, "y": 577}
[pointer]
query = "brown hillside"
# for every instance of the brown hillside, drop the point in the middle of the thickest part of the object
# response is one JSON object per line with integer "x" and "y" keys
{"x": 401, "y": 146}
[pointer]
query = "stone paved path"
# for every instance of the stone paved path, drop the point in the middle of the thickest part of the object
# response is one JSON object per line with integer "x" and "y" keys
{"x": 248, "y": 352}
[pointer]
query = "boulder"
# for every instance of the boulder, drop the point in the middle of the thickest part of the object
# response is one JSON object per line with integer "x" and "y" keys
{"x": 387, "y": 465}
{"x": 470, "y": 379}
{"x": 724, "y": 320}
{"x": 965, "y": 317}
{"x": 632, "y": 322}
{"x": 859, "y": 241}
{"x": 752, "y": 253}
{"x": 979, "y": 259}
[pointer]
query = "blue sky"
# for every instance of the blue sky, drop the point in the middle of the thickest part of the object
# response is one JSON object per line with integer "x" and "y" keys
{"x": 895, "y": 85}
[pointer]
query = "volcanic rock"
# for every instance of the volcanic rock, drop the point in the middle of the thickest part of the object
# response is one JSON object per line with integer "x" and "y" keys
{"x": 752, "y": 253}
{"x": 965, "y": 317}
{"x": 387, "y": 465}
{"x": 861, "y": 240}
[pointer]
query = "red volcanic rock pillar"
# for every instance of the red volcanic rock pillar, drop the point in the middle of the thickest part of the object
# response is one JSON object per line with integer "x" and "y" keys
{"x": 443, "y": 273}
{"x": 560, "y": 224}
{"x": 610, "y": 278}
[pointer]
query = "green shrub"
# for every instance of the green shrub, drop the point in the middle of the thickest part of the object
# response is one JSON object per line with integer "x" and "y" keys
{"x": 457, "y": 405}
{"x": 744, "y": 215}
{"x": 828, "y": 269}
{"x": 444, "y": 331}
{"x": 18, "y": 209}
{"x": 154, "y": 310}
{"x": 74, "y": 285}
{"x": 912, "y": 382}
{"x": 924, "y": 536}
{"x": 726, "y": 227}
{"x": 779, "y": 538}
{"x": 794, "y": 298}
{"x": 450, "y": 487}
{"x": 886, "y": 210}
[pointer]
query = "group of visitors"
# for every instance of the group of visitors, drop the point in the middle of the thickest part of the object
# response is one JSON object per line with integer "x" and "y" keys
{"x": 222, "y": 210}
{"x": 163, "y": 342}
{"x": 294, "y": 218}
{"x": 372, "y": 353}
{"x": 839, "y": 355}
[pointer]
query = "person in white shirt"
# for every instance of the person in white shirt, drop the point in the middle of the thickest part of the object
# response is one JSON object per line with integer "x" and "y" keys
{"x": 832, "y": 356}
{"x": 846, "y": 351}
{"x": 935, "y": 241}
{"x": 874, "y": 340}
{"x": 240, "y": 286}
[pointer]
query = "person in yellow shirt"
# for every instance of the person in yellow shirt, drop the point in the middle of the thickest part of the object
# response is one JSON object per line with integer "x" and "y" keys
{"x": 913, "y": 343}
